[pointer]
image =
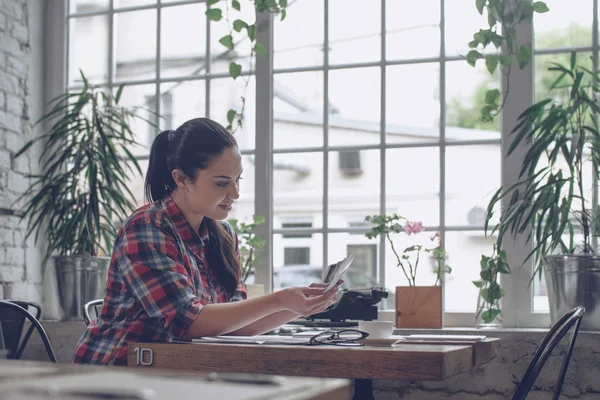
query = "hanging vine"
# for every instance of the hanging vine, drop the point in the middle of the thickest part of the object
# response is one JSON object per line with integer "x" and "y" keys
{"x": 238, "y": 30}
{"x": 502, "y": 17}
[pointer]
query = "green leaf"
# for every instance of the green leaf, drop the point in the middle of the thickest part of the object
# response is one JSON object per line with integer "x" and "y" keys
{"x": 524, "y": 55}
{"x": 251, "y": 32}
{"x": 260, "y": 49}
{"x": 491, "y": 20}
{"x": 505, "y": 60}
{"x": 238, "y": 25}
{"x": 214, "y": 14}
{"x": 235, "y": 69}
{"x": 480, "y": 4}
{"x": 473, "y": 44}
{"x": 490, "y": 315}
{"x": 283, "y": 14}
{"x": 573, "y": 59}
{"x": 283, "y": 3}
{"x": 491, "y": 62}
{"x": 227, "y": 41}
{"x": 496, "y": 39}
{"x": 473, "y": 56}
{"x": 492, "y": 96}
{"x": 231, "y": 115}
{"x": 540, "y": 7}
{"x": 479, "y": 283}
{"x": 212, "y": 2}
{"x": 236, "y": 5}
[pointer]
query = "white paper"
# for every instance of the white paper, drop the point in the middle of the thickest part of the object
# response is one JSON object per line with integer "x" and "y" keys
{"x": 258, "y": 339}
{"x": 337, "y": 271}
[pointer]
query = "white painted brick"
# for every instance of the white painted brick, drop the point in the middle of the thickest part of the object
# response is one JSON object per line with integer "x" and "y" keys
{"x": 14, "y": 142}
{"x": 5, "y": 159}
{"x": 11, "y": 45}
{"x": 10, "y": 121}
{"x": 19, "y": 239}
{"x": 11, "y": 273}
{"x": 15, "y": 256}
{"x": 20, "y": 32}
{"x": 14, "y": 104}
{"x": 33, "y": 263}
{"x": 2, "y": 101}
{"x": 8, "y": 83}
{"x": 2, "y": 22}
{"x": 13, "y": 9}
{"x": 7, "y": 237}
{"x": 21, "y": 165}
{"x": 17, "y": 183}
{"x": 25, "y": 291}
{"x": 15, "y": 66}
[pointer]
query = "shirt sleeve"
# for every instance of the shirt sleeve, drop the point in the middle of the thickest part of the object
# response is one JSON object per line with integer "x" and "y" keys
{"x": 154, "y": 271}
{"x": 240, "y": 292}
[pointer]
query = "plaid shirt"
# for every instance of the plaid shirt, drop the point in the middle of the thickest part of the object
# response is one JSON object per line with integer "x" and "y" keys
{"x": 158, "y": 282}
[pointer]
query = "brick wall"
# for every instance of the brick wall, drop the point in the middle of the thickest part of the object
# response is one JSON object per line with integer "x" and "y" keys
{"x": 19, "y": 95}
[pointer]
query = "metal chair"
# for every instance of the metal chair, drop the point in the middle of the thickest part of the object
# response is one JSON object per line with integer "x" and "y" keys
{"x": 12, "y": 317}
{"x": 95, "y": 307}
{"x": 570, "y": 321}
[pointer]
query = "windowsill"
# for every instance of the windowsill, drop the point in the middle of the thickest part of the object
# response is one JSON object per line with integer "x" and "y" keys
{"x": 486, "y": 332}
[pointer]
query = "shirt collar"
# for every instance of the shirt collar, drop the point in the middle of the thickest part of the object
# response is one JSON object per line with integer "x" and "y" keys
{"x": 194, "y": 240}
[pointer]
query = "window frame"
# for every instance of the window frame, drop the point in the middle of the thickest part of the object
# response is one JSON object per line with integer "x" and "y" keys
{"x": 518, "y": 301}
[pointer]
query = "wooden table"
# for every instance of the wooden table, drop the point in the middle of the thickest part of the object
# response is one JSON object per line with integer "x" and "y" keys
{"x": 17, "y": 375}
{"x": 411, "y": 361}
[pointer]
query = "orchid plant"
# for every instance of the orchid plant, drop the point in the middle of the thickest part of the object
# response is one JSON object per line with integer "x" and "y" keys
{"x": 409, "y": 258}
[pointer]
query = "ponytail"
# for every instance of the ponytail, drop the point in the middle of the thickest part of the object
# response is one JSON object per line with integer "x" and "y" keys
{"x": 221, "y": 251}
{"x": 159, "y": 180}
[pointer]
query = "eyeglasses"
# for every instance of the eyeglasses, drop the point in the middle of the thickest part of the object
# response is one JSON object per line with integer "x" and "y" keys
{"x": 347, "y": 337}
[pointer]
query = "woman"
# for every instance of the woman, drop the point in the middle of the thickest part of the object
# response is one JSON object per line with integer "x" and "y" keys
{"x": 175, "y": 268}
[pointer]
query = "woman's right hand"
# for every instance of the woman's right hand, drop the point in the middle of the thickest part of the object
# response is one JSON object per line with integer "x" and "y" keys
{"x": 306, "y": 300}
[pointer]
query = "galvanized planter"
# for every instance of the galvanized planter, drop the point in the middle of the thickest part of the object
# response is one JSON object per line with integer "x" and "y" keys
{"x": 574, "y": 280}
{"x": 79, "y": 280}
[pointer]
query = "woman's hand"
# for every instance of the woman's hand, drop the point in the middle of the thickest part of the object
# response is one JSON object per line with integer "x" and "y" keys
{"x": 307, "y": 301}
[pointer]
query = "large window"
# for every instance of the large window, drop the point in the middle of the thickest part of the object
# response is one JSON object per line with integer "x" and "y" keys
{"x": 373, "y": 110}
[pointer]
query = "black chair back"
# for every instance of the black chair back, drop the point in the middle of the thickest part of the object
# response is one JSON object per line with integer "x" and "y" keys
{"x": 13, "y": 314}
{"x": 569, "y": 322}
{"x": 91, "y": 310}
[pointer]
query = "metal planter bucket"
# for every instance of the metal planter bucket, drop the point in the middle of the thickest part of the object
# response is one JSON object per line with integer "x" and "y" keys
{"x": 574, "y": 280}
{"x": 79, "y": 280}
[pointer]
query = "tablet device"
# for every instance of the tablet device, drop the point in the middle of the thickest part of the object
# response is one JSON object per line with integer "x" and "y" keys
{"x": 336, "y": 271}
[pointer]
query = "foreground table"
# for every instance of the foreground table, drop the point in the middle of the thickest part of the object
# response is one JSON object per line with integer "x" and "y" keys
{"x": 20, "y": 379}
{"x": 416, "y": 361}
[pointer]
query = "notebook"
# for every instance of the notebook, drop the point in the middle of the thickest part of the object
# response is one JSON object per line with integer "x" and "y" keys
{"x": 449, "y": 337}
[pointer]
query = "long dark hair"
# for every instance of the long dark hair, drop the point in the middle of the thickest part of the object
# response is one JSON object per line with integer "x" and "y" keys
{"x": 191, "y": 148}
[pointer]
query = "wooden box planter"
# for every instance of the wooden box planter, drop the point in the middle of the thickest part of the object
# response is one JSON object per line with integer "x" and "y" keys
{"x": 419, "y": 307}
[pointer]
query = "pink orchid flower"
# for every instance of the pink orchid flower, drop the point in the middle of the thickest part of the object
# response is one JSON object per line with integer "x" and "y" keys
{"x": 413, "y": 227}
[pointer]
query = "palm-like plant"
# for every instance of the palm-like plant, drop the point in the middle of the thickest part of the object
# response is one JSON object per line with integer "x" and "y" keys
{"x": 86, "y": 163}
{"x": 549, "y": 202}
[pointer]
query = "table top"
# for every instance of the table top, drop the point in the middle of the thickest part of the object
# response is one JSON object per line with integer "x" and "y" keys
{"x": 410, "y": 361}
{"x": 30, "y": 380}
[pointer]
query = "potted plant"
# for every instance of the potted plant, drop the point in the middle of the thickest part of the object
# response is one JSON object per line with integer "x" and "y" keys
{"x": 249, "y": 243}
{"x": 416, "y": 306}
{"x": 82, "y": 195}
{"x": 551, "y": 203}
{"x": 489, "y": 314}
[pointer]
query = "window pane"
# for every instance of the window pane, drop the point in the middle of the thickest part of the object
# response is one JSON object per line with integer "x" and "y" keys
{"x": 545, "y": 78}
{"x": 298, "y": 108}
{"x": 221, "y": 56}
{"x": 413, "y": 183}
{"x": 226, "y": 94}
{"x": 350, "y": 41}
{"x": 243, "y": 208}
{"x": 565, "y": 25}
{"x": 462, "y": 21}
{"x": 464, "y": 250}
{"x": 465, "y": 94}
{"x": 394, "y": 275}
{"x": 296, "y": 45}
{"x": 187, "y": 101}
{"x": 355, "y": 101}
{"x": 298, "y": 187}
{"x": 135, "y": 62}
{"x": 136, "y": 183}
{"x": 88, "y": 49}
{"x": 183, "y": 40}
{"x": 297, "y": 275}
{"x": 413, "y": 29}
{"x": 540, "y": 295}
{"x": 144, "y": 97}
{"x": 354, "y": 187}
{"x": 412, "y": 103}
{"x": 132, "y": 3}
{"x": 467, "y": 199}
{"x": 81, "y": 6}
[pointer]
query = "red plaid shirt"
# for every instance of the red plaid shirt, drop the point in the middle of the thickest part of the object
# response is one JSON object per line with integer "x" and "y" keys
{"x": 158, "y": 282}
